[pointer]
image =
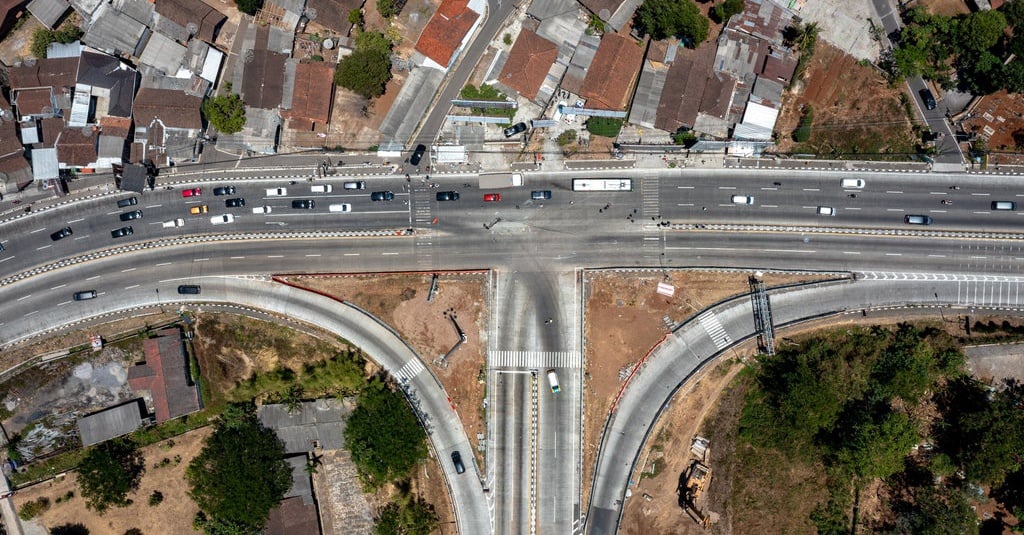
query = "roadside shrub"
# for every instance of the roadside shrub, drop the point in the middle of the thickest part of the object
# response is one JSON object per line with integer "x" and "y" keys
{"x": 34, "y": 508}
{"x": 156, "y": 498}
{"x": 803, "y": 132}
{"x": 566, "y": 137}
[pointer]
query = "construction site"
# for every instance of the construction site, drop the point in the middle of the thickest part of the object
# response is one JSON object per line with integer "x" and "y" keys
{"x": 693, "y": 481}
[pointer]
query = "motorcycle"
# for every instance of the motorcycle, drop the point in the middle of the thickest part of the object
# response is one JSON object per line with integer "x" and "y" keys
{"x": 947, "y": 202}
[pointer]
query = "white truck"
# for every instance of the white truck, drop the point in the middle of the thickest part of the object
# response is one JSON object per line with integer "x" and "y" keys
{"x": 173, "y": 223}
{"x": 505, "y": 180}
{"x": 553, "y": 381}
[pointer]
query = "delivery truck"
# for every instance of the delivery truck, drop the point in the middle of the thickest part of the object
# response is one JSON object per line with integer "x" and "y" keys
{"x": 506, "y": 180}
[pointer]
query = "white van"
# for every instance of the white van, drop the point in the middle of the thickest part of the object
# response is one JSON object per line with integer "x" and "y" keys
{"x": 851, "y": 183}
{"x": 359, "y": 184}
{"x": 553, "y": 381}
{"x": 344, "y": 208}
{"x": 322, "y": 188}
{"x": 173, "y": 223}
{"x": 277, "y": 192}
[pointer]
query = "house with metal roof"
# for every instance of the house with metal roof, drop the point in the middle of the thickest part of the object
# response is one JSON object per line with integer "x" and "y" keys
{"x": 49, "y": 12}
{"x": 615, "y": 13}
{"x": 111, "y": 422}
{"x": 163, "y": 378}
{"x": 310, "y": 425}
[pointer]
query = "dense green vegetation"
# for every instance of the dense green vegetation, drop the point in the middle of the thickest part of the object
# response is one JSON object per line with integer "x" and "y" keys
{"x": 249, "y": 7}
{"x": 383, "y": 435}
{"x": 226, "y": 112}
{"x": 487, "y": 92}
{"x": 667, "y": 18}
{"x": 42, "y": 37}
{"x": 965, "y": 51}
{"x": 803, "y": 37}
{"x": 604, "y": 126}
{"x": 803, "y": 130}
{"x": 854, "y": 402}
{"x": 724, "y": 11}
{"x": 239, "y": 475}
{"x": 409, "y": 516}
{"x": 367, "y": 69}
{"x": 387, "y": 8}
{"x": 341, "y": 375}
{"x": 109, "y": 472}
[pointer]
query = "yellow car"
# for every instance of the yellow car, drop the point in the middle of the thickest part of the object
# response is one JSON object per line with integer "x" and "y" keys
{"x": 201, "y": 209}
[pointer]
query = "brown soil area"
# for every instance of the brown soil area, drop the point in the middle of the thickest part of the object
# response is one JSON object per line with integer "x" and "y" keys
{"x": 629, "y": 316}
{"x": 950, "y": 8}
{"x": 172, "y": 517}
{"x": 998, "y": 118}
{"x": 17, "y": 45}
{"x": 855, "y": 109}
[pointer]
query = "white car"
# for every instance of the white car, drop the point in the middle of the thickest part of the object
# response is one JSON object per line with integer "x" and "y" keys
{"x": 826, "y": 210}
{"x": 173, "y": 223}
{"x": 851, "y": 183}
{"x": 322, "y": 188}
{"x": 742, "y": 199}
{"x": 261, "y": 210}
{"x": 277, "y": 192}
{"x": 222, "y": 219}
{"x": 344, "y": 207}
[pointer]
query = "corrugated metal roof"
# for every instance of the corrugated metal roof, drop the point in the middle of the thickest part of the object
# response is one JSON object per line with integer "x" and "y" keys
{"x": 322, "y": 420}
{"x": 44, "y": 164}
{"x": 48, "y": 12}
{"x": 110, "y": 423}
{"x": 163, "y": 53}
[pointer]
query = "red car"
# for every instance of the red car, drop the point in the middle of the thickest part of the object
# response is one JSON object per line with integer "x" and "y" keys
{"x": 194, "y": 192}
{"x": 492, "y": 197}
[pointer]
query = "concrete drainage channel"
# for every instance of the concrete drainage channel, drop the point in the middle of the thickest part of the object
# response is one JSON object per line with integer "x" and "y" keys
{"x": 203, "y": 239}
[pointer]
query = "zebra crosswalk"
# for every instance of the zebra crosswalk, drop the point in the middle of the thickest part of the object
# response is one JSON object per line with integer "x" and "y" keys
{"x": 410, "y": 370}
{"x": 711, "y": 325}
{"x": 534, "y": 359}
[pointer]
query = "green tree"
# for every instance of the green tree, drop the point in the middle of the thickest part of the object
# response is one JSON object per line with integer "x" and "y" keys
{"x": 239, "y": 475}
{"x": 936, "y": 511}
{"x": 667, "y": 18}
{"x": 411, "y": 517}
{"x": 566, "y": 137}
{"x": 42, "y": 37}
{"x": 877, "y": 449}
{"x": 803, "y": 131}
{"x": 387, "y": 8}
{"x": 367, "y": 69}
{"x": 70, "y": 529}
{"x": 355, "y": 18}
{"x": 109, "y": 472}
{"x": 249, "y": 7}
{"x": 983, "y": 433}
{"x": 383, "y": 435}
{"x": 133, "y": 531}
{"x": 981, "y": 30}
{"x": 225, "y": 112}
{"x": 724, "y": 11}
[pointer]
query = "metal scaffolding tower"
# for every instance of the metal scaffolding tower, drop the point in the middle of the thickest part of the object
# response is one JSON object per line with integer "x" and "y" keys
{"x": 762, "y": 316}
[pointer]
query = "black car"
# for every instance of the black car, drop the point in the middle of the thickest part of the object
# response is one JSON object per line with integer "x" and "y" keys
{"x": 85, "y": 295}
{"x": 540, "y": 195}
{"x": 122, "y": 232}
{"x": 125, "y": 203}
{"x": 928, "y": 98}
{"x": 61, "y": 234}
{"x": 134, "y": 214}
{"x": 382, "y": 196}
{"x": 303, "y": 204}
{"x": 188, "y": 289}
{"x": 457, "y": 461}
{"x": 417, "y": 154}
{"x": 447, "y": 195}
{"x": 235, "y": 203}
{"x": 224, "y": 190}
{"x": 517, "y": 128}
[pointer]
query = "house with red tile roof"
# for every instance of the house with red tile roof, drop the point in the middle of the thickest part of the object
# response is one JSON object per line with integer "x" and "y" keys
{"x": 528, "y": 64}
{"x": 448, "y": 31}
{"x": 311, "y": 97}
{"x": 613, "y": 73}
{"x": 164, "y": 375}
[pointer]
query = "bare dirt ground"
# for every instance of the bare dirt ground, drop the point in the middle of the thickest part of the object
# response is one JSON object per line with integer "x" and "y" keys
{"x": 172, "y": 517}
{"x": 950, "y": 8}
{"x": 855, "y": 109}
{"x": 626, "y": 319}
{"x": 17, "y": 45}
{"x": 998, "y": 118}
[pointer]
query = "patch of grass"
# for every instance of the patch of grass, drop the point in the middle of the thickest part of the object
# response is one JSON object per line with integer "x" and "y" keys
{"x": 604, "y": 126}
{"x": 34, "y": 508}
{"x": 486, "y": 92}
{"x": 340, "y": 375}
{"x": 48, "y": 468}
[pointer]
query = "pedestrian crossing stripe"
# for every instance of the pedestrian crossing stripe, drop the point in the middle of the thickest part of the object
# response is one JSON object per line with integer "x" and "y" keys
{"x": 535, "y": 359}
{"x": 710, "y": 323}
{"x": 410, "y": 370}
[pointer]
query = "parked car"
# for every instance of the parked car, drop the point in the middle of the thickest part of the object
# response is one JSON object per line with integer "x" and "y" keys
{"x": 222, "y": 219}
{"x": 303, "y": 204}
{"x": 122, "y": 232}
{"x": 447, "y": 195}
{"x": 262, "y": 210}
{"x": 224, "y": 190}
{"x": 84, "y": 295}
{"x": 129, "y": 216}
{"x": 492, "y": 197}
{"x": 192, "y": 192}
{"x": 61, "y": 234}
{"x": 235, "y": 203}
{"x": 540, "y": 195}
{"x": 125, "y": 203}
{"x": 517, "y": 128}
{"x": 201, "y": 209}
{"x": 382, "y": 196}
{"x": 417, "y": 154}
{"x": 188, "y": 289}
{"x": 277, "y": 192}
